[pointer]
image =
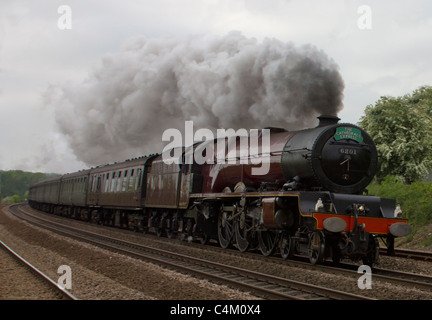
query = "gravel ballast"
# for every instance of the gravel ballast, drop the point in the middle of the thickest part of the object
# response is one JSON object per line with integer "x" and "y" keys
{"x": 100, "y": 274}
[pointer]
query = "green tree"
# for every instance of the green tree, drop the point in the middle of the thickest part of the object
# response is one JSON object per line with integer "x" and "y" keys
{"x": 401, "y": 129}
{"x": 14, "y": 184}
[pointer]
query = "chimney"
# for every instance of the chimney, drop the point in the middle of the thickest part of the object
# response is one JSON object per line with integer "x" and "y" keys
{"x": 327, "y": 120}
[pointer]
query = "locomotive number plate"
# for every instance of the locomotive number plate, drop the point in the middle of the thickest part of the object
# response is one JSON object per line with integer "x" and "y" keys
{"x": 348, "y": 151}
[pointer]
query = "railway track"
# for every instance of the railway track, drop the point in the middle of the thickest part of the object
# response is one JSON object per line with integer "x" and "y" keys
{"x": 406, "y": 279}
{"x": 410, "y": 254}
{"x": 261, "y": 284}
{"x": 38, "y": 284}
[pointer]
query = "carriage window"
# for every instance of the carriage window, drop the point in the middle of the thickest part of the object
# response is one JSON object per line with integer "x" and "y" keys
{"x": 94, "y": 183}
{"x": 138, "y": 179}
{"x": 113, "y": 181}
{"x": 131, "y": 180}
{"x": 107, "y": 183}
{"x": 98, "y": 184}
{"x": 125, "y": 181}
{"x": 119, "y": 182}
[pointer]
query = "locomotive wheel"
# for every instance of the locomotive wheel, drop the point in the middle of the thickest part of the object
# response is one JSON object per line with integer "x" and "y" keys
{"x": 171, "y": 234}
{"x": 159, "y": 231}
{"x": 204, "y": 238}
{"x": 143, "y": 224}
{"x": 316, "y": 247}
{"x": 225, "y": 229}
{"x": 242, "y": 232}
{"x": 287, "y": 246}
{"x": 189, "y": 230}
{"x": 373, "y": 252}
{"x": 267, "y": 241}
{"x": 172, "y": 228}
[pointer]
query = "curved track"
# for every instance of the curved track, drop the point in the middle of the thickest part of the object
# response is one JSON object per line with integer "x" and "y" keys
{"x": 261, "y": 284}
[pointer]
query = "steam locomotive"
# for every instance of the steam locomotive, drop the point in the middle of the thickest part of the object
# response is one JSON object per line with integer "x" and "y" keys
{"x": 310, "y": 203}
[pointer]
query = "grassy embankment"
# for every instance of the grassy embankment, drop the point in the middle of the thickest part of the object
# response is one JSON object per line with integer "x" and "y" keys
{"x": 415, "y": 200}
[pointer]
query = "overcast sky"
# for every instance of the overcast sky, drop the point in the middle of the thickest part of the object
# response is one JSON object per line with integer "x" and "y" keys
{"x": 381, "y": 47}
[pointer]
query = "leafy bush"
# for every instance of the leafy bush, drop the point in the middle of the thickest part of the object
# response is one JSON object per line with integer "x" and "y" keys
{"x": 12, "y": 199}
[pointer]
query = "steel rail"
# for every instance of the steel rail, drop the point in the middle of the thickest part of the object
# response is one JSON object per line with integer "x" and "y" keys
{"x": 262, "y": 284}
{"x": 409, "y": 254}
{"x": 39, "y": 273}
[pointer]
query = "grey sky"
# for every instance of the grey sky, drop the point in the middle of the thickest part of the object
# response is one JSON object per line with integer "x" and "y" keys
{"x": 391, "y": 58}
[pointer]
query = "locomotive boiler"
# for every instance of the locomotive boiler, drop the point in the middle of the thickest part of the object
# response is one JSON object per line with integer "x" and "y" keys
{"x": 310, "y": 202}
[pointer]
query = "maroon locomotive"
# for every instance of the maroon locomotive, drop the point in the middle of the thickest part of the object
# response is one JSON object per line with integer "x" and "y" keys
{"x": 310, "y": 202}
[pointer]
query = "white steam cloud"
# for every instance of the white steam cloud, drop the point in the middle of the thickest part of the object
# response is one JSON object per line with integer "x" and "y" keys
{"x": 225, "y": 82}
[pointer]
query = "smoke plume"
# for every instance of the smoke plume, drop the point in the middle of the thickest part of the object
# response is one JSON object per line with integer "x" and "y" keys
{"x": 151, "y": 85}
